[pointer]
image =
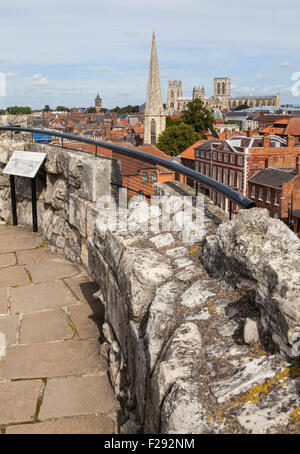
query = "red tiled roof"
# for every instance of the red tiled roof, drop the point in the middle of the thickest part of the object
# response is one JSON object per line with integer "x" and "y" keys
{"x": 293, "y": 127}
{"x": 189, "y": 153}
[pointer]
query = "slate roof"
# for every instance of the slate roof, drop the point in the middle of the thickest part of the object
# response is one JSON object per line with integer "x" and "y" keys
{"x": 272, "y": 177}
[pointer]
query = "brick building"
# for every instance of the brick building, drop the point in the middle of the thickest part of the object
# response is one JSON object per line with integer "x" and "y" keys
{"x": 277, "y": 190}
{"x": 233, "y": 161}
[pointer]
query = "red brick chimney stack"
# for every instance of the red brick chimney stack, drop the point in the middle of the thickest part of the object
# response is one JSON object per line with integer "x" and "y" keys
{"x": 266, "y": 141}
{"x": 291, "y": 140}
{"x": 266, "y": 163}
{"x": 249, "y": 132}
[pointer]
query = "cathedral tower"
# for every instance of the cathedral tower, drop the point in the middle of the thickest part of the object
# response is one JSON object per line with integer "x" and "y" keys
{"x": 174, "y": 92}
{"x": 154, "y": 119}
{"x": 98, "y": 103}
{"x": 222, "y": 87}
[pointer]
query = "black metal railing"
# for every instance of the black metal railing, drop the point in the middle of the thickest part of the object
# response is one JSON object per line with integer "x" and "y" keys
{"x": 233, "y": 196}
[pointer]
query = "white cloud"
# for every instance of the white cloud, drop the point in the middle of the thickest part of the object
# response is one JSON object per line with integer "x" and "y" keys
{"x": 39, "y": 80}
{"x": 10, "y": 74}
{"x": 285, "y": 64}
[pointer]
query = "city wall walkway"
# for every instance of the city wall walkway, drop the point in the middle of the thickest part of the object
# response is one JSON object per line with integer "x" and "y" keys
{"x": 52, "y": 379}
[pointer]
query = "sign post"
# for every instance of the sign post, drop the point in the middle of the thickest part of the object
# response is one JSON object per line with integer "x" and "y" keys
{"x": 24, "y": 164}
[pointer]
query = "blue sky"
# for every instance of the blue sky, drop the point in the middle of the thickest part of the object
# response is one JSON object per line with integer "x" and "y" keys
{"x": 65, "y": 51}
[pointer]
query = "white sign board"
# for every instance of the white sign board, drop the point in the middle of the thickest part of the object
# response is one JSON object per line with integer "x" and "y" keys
{"x": 24, "y": 164}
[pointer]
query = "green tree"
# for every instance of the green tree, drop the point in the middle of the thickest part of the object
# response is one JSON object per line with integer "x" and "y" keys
{"x": 2, "y": 112}
{"x": 47, "y": 108}
{"x": 62, "y": 109}
{"x": 19, "y": 110}
{"x": 175, "y": 139}
{"x": 172, "y": 121}
{"x": 91, "y": 110}
{"x": 199, "y": 117}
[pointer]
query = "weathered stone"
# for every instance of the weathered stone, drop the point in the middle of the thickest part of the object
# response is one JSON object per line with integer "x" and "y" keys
{"x": 76, "y": 396}
{"x": 161, "y": 321}
{"x": 180, "y": 360}
{"x": 251, "y": 335}
{"x": 182, "y": 412}
{"x": 13, "y": 275}
{"x": 254, "y": 371}
{"x": 56, "y": 269}
{"x": 83, "y": 288}
{"x": 96, "y": 179}
{"x": 8, "y": 327}
{"x": 197, "y": 294}
{"x": 3, "y": 301}
{"x": 88, "y": 319}
{"x": 78, "y": 213}
{"x": 33, "y": 256}
{"x": 162, "y": 240}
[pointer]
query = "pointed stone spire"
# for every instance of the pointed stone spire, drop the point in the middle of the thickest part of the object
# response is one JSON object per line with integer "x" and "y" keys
{"x": 155, "y": 120}
{"x": 154, "y": 103}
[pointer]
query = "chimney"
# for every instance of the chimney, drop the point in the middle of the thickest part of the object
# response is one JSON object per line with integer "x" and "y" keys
{"x": 291, "y": 140}
{"x": 298, "y": 165}
{"x": 249, "y": 132}
{"x": 266, "y": 141}
{"x": 266, "y": 163}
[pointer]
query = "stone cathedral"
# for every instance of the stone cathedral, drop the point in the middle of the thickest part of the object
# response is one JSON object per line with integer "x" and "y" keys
{"x": 221, "y": 99}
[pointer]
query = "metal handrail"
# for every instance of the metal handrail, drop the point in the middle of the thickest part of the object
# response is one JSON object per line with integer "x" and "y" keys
{"x": 234, "y": 196}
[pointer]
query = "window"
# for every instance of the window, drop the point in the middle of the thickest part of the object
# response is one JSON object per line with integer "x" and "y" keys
{"x": 225, "y": 176}
{"x": 232, "y": 160}
{"x": 153, "y": 177}
{"x": 240, "y": 160}
{"x": 202, "y": 168}
{"x": 225, "y": 157}
{"x": 214, "y": 156}
{"x": 253, "y": 191}
{"x": 276, "y": 198}
{"x": 202, "y": 154}
{"x": 268, "y": 196}
{"x": 231, "y": 182}
{"x": 219, "y": 156}
{"x": 220, "y": 174}
{"x": 153, "y": 132}
{"x": 260, "y": 194}
{"x": 207, "y": 170}
{"x": 239, "y": 181}
{"x": 144, "y": 177}
{"x": 214, "y": 173}
{"x": 207, "y": 155}
{"x": 275, "y": 215}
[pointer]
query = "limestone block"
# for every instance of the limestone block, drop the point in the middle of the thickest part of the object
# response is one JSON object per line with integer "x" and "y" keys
{"x": 98, "y": 176}
{"x": 91, "y": 218}
{"x": 140, "y": 272}
{"x": 78, "y": 213}
{"x": 183, "y": 413}
{"x": 56, "y": 193}
{"x": 251, "y": 335}
{"x": 180, "y": 360}
{"x": 161, "y": 320}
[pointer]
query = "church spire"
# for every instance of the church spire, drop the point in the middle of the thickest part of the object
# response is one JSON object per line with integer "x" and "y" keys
{"x": 154, "y": 117}
{"x": 154, "y": 103}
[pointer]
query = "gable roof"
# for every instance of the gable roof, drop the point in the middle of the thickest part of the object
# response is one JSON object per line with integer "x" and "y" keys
{"x": 272, "y": 177}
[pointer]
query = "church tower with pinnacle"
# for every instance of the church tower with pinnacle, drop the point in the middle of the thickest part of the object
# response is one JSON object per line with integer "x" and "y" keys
{"x": 154, "y": 117}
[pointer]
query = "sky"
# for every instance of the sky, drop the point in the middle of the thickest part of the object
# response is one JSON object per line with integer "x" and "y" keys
{"x": 64, "y": 52}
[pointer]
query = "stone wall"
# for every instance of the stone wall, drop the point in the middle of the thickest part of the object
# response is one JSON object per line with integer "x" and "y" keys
{"x": 192, "y": 329}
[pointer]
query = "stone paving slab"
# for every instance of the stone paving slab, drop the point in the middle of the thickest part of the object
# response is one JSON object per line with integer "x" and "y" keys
{"x": 85, "y": 425}
{"x": 33, "y": 256}
{"x": 88, "y": 319}
{"x": 39, "y": 297}
{"x": 83, "y": 288}
{"x": 12, "y": 276}
{"x": 3, "y": 301}
{"x": 54, "y": 359}
{"x": 46, "y": 364}
{"x": 76, "y": 396}
{"x": 18, "y": 400}
{"x": 16, "y": 242}
{"x": 45, "y": 327}
{"x": 9, "y": 326}
{"x": 51, "y": 271}
{"x": 8, "y": 259}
